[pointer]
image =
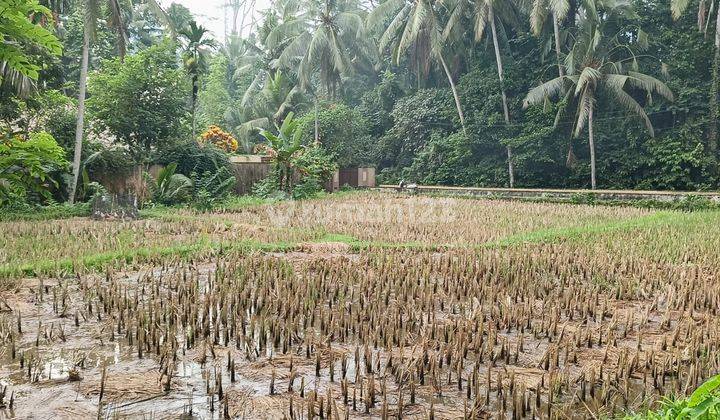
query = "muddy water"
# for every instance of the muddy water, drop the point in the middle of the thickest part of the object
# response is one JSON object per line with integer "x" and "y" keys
{"x": 58, "y": 363}
{"x": 63, "y": 346}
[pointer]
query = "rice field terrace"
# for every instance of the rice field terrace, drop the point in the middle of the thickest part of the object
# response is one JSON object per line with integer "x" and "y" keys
{"x": 359, "y": 306}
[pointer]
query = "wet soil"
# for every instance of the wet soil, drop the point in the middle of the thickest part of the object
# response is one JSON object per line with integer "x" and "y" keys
{"x": 65, "y": 345}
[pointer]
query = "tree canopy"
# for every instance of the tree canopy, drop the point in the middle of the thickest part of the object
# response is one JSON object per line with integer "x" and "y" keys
{"x": 594, "y": 94}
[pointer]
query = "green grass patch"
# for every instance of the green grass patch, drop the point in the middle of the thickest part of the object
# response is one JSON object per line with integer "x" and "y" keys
{"x": 587, "y": 231}
{"x": 687, "y": 222}
{"x": 101, "y": 261}
{"x": 57, "y": 211}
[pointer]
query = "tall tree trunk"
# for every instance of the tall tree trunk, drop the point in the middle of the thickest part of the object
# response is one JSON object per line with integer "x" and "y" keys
{"x": 506, "y": 112}
{"x": 570, "y": 161}
{"x": 194, "y": 102}
{"x": 236, "y": 12}
{"x": 591, "y": 138}
{"x": 712, "y": 132}
{"x": 317, "y": 125}
{"x": 80, "y": 123}
{"x": 458, "y": 105}
{"x": 556, "y": 30}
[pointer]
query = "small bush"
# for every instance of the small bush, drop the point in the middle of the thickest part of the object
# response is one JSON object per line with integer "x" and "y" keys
{"x": 21, "y": 210}
{"x": 308, "y": 188}
{"x": 212, "y": 189}
{"x": 169, "y": 187}
{"x": 702, "y": 404}
{"x": 192, "y": 157}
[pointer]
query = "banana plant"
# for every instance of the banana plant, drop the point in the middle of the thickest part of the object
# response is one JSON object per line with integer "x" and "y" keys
{"x": 283, "y": 148}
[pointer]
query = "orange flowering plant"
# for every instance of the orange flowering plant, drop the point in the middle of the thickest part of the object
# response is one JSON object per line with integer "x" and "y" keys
{"x": 219, "y": 138}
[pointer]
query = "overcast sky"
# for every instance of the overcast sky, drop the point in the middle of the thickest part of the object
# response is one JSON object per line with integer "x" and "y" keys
{"x": 211, "y": 14}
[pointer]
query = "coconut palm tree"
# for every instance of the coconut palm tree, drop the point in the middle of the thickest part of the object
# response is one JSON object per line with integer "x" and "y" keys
{"x": 484, "y": 13}
{"x": 283, "y": 23}
{"x": 93, "y": 13}
{"x": 594, "y": 71}
{"x": 268, "y": 99}
{"x": 556, "y": 11}
{"x": 326, "y": 40}
{"x": 196, "y": 47}
{"x": 116, "y": 22}
{"x": 414, "y": 27}
{"x": 677, "y": 8}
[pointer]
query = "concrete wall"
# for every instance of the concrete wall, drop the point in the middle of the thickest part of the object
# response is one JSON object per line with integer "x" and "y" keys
{"x": 357, "y": 177}
{"x": 247, "y": 174}
{"x": 248, "y": 169}
{"x": 131, "y": 182}
{"x": 366, "y": 177}
{"x": 666, "y": 196}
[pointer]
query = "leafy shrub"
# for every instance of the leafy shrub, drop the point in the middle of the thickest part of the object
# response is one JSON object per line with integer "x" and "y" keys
{"x": 342, "y": 131}
{"x": 316, "y": 166}
{"x": 283, "y": 149}
{"x": 192, "y": 157}
{"x": 26, "y": 167}
{"x": 269, "y": 187}
{"x": 107, "y": 160}
{"x": 169, "y": 187}
{"x": 702, "y": 404}
{"x": 308, "y": 188}
{"x": 153, "y": 91}
{"x": 376, "y": 104}
{"x": 57, "y": 116}
{"x": 295, "y": 165}
{"x": 415, "y": 119}
{"x": 20, "y": 210}
{"x": 583, "y": 198}
{"x": 212, "y": 188}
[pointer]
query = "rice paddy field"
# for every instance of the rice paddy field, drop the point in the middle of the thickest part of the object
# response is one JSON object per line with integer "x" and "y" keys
{"x": 362, "y": 305}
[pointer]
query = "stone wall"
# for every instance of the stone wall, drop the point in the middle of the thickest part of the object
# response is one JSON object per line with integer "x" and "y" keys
{"x": 531, "y": 193}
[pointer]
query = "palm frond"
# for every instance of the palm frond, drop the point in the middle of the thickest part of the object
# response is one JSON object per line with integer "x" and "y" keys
{"x": 337, "y": 51}
{"x": 538, "y": 16}
{"x": 383, "y": 12}
{"x": 398, "y": 22}
{"x": 350, "y": 24}
{"x": 627, "y": 101}
{"x": 163, "y": 17}
{"x": 650, "y": 85}
{"x": 92, "y": 14}
{"x": 549, "y": 89}
{"x": 458, "y": 10}
{"x": 252, "y": 89}
{"x": 481, "y": 19}
{"x": 589, "y": 77}
{"x": 284, "y": 31}
{"x": 117, "y": 23}
{"x": 413, "y": 27}
{"x": 560, "y": 8}
{"x": 587, "y": 101}
{"x": 295, "y": 49}
{"x": 678, "y": 7}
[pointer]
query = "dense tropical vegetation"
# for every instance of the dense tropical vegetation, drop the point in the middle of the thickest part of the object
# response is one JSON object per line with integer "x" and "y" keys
{"x": 595, "y": 94}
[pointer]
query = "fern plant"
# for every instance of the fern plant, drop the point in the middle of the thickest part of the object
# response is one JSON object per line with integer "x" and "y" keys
{"x": 212, "y": 188}
{"x": 169, "y": 187}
